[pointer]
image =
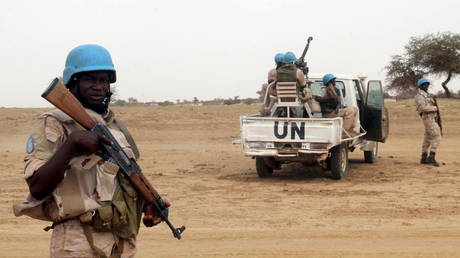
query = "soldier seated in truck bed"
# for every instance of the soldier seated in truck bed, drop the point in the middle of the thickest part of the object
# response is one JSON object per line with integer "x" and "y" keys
{"x": 287, "y": 73}
{"x": 331, "y": 106}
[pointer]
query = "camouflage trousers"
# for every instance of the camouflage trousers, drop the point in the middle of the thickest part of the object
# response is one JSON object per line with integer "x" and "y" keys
{"x": 69, "y": 240}
{"x": 432, "y": 137}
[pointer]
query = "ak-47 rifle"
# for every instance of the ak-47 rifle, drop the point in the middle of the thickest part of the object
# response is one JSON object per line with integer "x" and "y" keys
{"x": 301, "y": 64}
{"x": 58, "y": 95}
{"x": 438, "y": 115}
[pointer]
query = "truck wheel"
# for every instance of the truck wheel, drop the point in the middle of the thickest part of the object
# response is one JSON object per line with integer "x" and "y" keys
{"x": 262, "y": 169}
{"x": 372, "y": 155}
{"x": 339, "y": 161}
{"x": 328, "y": 163}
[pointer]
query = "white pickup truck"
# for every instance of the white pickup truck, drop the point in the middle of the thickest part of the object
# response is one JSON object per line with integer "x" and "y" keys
{"x": 273, "y": 140}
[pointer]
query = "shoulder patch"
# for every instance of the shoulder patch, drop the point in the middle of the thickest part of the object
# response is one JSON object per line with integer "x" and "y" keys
{"x": 30, "y": 146}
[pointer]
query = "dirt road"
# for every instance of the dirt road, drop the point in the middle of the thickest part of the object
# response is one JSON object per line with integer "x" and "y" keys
{"x": 395, "y": 208}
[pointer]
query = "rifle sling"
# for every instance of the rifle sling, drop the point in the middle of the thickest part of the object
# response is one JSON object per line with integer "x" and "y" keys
{"x": 128, "y": 136}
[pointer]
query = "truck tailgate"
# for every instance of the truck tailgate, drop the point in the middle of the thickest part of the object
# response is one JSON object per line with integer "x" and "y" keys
{"x": 275, "y": 129}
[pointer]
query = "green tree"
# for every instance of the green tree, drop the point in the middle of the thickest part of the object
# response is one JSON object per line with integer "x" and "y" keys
{"x": 433, "y": 54}
{"x": 401, "y": 76}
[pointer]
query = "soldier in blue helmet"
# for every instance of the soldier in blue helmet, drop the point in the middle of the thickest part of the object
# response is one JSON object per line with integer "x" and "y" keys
{"x": 94, "y": 210}
{"x": 278, "y": 62}
{"x": 331, "y": 106}
{"x": 90, "y": 64}
{"x": 288, "y": 71}
{"x": 428, "y": 111}
{"x": 285, "y": 71}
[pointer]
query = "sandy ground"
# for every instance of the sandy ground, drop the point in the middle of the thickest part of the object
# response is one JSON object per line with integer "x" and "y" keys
{"x": 394, "y": 208}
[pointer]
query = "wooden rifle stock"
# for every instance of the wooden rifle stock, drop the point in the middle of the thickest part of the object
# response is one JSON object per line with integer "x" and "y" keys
{"x": 58, "y": 95}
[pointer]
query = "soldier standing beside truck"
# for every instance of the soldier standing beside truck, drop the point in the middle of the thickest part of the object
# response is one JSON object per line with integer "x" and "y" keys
{"x": 429, "y": 113}
{"x": 94, "y": 209}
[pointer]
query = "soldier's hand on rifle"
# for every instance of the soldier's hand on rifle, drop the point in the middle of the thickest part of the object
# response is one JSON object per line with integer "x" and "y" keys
{"x": 151, "y": 217}
{"x": 86, "y": 142}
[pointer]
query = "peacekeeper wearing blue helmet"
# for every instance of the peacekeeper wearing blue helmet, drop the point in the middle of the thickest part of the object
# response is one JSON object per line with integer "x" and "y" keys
{"x": 331, "y": 106}
{"x": 272, "y": 73}
{"x": 428, "y": 111}
{"x": 285, "y": 71}
{"x": 288, "y": 72}
{"x": 94, "y": 210}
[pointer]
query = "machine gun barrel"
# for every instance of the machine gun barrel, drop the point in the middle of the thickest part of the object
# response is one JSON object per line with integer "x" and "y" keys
{"x": 301, "y": 64}
{"x": 302, "y": 57}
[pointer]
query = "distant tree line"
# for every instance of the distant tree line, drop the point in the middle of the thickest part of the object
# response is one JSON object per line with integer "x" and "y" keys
{"x": 195, "y": 101}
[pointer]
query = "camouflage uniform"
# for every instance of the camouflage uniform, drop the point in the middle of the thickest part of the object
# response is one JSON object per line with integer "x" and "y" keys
{"x": 427, "y": 111}
{"x": 88, "y": 182}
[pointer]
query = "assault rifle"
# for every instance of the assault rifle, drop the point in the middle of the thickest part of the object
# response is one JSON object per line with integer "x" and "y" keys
{"x": 301, "y": 64}
{"x": 58, "y": 95}
{"x": 438, "y": 115}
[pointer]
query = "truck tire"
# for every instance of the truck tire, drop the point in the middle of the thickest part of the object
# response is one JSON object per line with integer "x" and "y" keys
{"x": 262, "y": 169}
{"x": 372, "y": 155}
{"x": 339, "y": 161}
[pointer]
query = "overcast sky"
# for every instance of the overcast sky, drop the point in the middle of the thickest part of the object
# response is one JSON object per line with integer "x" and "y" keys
{"x": 168, "y": 50}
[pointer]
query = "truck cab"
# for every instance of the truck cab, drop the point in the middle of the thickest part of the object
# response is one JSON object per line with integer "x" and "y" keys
{"x": 292, "y": 129}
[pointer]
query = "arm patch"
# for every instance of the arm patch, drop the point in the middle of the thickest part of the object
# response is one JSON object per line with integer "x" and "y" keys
{"x": 30, "y": 146}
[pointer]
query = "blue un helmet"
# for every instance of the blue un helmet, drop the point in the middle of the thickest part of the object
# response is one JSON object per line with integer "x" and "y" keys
{"x": 328, "y": 78}
{"x": 422, "y": 81}
{"x": 87, "y": 58}
{"x": 279, "y": 58}
{"x": 289, "y": 58}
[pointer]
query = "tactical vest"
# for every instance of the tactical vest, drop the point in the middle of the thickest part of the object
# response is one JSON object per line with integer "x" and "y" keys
{"x": 286, "y": 73}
